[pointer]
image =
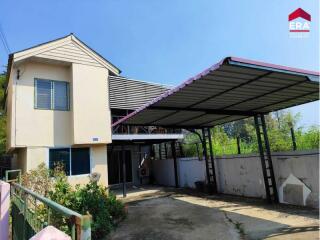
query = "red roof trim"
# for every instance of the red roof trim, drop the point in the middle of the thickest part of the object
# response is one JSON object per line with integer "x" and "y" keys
{"x": 299, "y": 13}
{"x": 279, "y": 67}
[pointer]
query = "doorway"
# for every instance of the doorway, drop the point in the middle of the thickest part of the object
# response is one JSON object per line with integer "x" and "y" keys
{"x": 115, "y": 168}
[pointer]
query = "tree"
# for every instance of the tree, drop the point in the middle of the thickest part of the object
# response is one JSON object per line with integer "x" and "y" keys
{"x": 278, "y": 125}
{"x": 2, "y": 114}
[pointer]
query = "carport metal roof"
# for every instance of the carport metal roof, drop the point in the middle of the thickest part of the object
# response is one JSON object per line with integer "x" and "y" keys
{"x": 230, "y": 90}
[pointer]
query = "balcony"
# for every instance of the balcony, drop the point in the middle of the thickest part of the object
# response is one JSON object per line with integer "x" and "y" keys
{"x": 132, "y": 133}
{"x": 126, "y": 129}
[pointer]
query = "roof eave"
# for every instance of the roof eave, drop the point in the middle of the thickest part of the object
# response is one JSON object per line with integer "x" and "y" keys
{"x": 9, "y": 66}
{"x": 273, "y": 67}
{"x": 19, "y": 55}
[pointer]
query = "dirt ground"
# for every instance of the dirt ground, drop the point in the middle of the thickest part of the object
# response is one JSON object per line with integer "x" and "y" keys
{"x": 164, "y": 213}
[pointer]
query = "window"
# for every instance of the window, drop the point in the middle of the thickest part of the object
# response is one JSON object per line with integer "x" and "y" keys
{"x": 51, "y": 95}
{"x": 80, "y": 161}
{"x": 75, "y": 161}
{"x": 60, "y": 156}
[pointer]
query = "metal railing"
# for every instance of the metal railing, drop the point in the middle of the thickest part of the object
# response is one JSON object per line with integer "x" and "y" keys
{"x": 32, "y": 212}
{"x": 126, "y": 129}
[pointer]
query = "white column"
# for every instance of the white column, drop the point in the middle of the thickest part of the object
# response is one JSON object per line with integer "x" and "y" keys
{"x": 4, "y": 210}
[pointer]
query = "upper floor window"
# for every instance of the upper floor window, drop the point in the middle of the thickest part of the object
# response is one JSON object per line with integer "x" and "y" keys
{"x": 51, "y": 94}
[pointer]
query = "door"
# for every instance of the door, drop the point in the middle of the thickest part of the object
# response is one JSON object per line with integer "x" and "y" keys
{"x": 115, "y": 167}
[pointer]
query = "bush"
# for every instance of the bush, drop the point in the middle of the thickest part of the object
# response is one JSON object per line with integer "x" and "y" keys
{"x": 92, "y": 198}
{"x": 38, "y": 180}
{"x": 105, "y": 209}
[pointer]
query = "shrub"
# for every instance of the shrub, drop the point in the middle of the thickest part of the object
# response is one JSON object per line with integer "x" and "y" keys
{"x": 92, "y": 198}
{"x": 38, "y": 180}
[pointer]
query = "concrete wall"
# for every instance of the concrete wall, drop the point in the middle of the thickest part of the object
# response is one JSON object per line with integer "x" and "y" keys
{"x": 242, "y": 174}
{"x": 304, "y": 165}
{"x": 34, "y": 127}
{"x": 163, "y": 172}
{"x": 91, "y": 112}
{"x": 190, "y": 171}
{"x": 29, "y": 158}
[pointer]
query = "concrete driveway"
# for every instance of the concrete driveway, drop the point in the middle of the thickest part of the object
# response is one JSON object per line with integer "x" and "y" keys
{"x": 162, "y": 214}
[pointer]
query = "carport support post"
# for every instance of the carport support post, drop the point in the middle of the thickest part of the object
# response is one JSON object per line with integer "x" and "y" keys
{"x": 174, "y": 156}
{"x": 212, "y": 161}
{"x": 205, "y": 153}
{"x": 266, "y": 160}
{"x": 140, "y": 160}
{"x": 124, "y": 189}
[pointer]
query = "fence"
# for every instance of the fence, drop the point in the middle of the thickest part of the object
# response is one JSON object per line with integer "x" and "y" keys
{"x": 32, "y": 212}
{"x": 242, "y": 175}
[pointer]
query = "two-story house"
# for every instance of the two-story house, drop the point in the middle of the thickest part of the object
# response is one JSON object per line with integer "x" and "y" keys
{"x": 60, "y": 101}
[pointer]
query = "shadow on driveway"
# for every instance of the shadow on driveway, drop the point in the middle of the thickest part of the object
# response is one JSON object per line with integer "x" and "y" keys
{"x": 166, "y": 213}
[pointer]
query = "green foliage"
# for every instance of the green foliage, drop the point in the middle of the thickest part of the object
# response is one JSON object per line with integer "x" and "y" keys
{"x": 92, "y": 198}
{"x": 2, "y": 114}
{"x": 103, "y": 207}
{"x": 38, "y": 180}
{"x": 309, "y": 139}
{"x": 224, "y": 138}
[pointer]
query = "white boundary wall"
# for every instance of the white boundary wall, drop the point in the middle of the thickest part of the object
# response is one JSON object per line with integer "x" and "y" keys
{"x": 242, "y": 174}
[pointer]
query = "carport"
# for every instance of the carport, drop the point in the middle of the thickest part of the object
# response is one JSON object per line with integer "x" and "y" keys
{"x": 230, "y": 90}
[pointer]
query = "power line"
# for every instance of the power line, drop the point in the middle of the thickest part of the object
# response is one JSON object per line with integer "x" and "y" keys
{"x": 4, "y": 40}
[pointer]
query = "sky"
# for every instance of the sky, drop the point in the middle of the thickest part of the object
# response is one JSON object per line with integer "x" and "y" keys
{"x": 169, "y": 41}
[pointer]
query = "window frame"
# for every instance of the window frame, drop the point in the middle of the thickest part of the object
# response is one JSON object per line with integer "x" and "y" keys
{"x": 52, "y": 103}
{"x": 70, "y": 160}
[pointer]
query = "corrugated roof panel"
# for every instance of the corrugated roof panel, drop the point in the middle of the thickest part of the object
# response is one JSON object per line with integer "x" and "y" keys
{"x": 131, "y": 94}
{"x": 232, "y": 89}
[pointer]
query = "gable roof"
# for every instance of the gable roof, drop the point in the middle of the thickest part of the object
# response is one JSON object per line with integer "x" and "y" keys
{"x": 68, "y": 49}
{"x": 299, "y": 13}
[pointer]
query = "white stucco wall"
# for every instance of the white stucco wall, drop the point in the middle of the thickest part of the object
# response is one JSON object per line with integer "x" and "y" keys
{"x": 302, "y": 164}
{"x": 163, "y": 172}
{"x": 190, "y": 171}
{"x": 242, "y": 174}
{"x": 31, "y": 127}
{"x": 91, "y": 115}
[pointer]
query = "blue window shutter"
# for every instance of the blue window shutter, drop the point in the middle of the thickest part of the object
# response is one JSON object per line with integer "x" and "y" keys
{"x": 80, "y": 161}
{"x": 61, "y": 95}
{"x": 43, "y": 94}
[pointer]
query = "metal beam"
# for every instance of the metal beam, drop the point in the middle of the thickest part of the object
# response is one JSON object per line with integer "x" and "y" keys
{"x": 174, "y": 156}
{"x": 230, "y": 89}
{"x": 124, "y": 188}
{"x": 285, "y": 100}
{"x": 270, "y": 167}
{"x": 212, "y": 162}
{"x": 262, "y": 158}
{"x": 205, "y": 154}
{"x": 204, "y": 110}
{"x": 268, "y": 93}
{"x": 189, "y": 119}
{"x": 140, "y": 160}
